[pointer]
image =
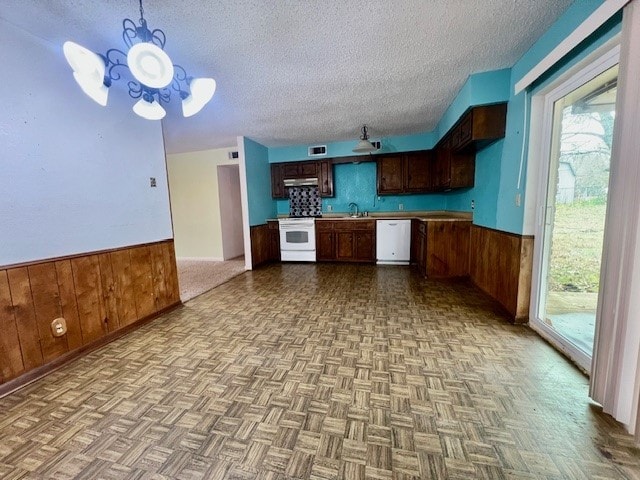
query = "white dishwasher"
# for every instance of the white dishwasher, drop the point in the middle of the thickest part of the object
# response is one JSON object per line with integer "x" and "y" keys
{"x": 393, "y": 242}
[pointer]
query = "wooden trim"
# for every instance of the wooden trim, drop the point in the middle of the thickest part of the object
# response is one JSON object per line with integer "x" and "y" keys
{"x": 84, "y": 254}
{"x": 503, "y": 232}
{"x": 44, "y": 370}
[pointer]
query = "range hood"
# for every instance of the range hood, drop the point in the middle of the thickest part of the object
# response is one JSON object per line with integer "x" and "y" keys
{"x": 301, "y": 182}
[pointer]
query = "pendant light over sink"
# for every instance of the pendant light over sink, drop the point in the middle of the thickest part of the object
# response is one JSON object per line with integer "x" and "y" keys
{"x": 155, "y": 76}
{"x": 364, "y": 145}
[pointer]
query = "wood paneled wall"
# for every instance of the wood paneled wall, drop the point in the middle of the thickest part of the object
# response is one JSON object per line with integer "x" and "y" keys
{"x": 501, "y": 265}
{"x": 97, "y": 294}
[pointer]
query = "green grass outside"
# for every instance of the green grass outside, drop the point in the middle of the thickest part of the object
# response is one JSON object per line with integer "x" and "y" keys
{"x": 576, "y": 250}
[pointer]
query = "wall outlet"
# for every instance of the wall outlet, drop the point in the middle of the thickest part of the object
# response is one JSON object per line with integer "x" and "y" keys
{"x": 473, "y": 204}
{"x": 58, "y": 327}
{"x": 152, "y": 182}
{"x": 329, "y": 208}
{"x": 518, "y": 199}
{"x": 401, "y": 206}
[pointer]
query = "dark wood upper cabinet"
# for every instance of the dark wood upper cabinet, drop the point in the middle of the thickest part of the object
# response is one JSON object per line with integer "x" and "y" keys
{"x": 479, "y": 127}
{"x": 277, "y": 181}
{"x": 408, "y": 172}
{"x": 325, "y": 178}
{"x": 452, "y": 169}
{"x": 418, "y": 171}
{"x": 390, "y": 174}
{"x": 322, "y": 170}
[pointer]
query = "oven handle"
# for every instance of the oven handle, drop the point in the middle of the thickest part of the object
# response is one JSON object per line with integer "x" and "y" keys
{"x": 300, "y": 227}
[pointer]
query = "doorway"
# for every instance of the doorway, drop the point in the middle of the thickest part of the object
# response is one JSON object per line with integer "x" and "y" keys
{"x": 230, "y": 211}
{"x": 573, "y": 212}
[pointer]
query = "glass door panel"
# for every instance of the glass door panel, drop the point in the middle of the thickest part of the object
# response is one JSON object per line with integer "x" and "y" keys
{"x": 575, "y": 211}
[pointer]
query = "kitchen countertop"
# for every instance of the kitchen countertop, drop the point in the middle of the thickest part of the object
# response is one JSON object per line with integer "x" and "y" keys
{"x": 426, "y": 216}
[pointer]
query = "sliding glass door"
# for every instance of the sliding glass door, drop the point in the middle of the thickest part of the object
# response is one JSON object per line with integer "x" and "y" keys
{"x": 573, "y": 215}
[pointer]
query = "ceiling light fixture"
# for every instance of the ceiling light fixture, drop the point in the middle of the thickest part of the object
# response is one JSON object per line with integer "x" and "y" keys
{"x": 155, "y": 75}
{"x": 364, "y": 145}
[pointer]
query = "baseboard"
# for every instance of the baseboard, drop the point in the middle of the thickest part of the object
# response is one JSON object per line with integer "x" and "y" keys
{"x": 200, "y": 259}
{"x": 44, "y": 370}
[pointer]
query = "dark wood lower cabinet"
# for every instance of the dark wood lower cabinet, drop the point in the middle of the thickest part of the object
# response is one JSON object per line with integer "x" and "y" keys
{"x": 447, "y": 252}
{"x": 346, "y": 241}
{"x": 440, "y": 249}
{"x": 265, "y": 243}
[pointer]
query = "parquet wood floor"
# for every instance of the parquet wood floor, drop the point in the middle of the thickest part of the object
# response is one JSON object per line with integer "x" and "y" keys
{"x": 322, "y": 372}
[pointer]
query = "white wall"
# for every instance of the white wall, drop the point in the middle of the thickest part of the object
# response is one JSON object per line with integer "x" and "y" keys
{"x": 195, "y": 206}
{"x": 230, "y": 211}
{"x": 74, "y": 176}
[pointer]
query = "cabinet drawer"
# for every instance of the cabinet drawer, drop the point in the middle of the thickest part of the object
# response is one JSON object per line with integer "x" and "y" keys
{"x": 344, "y": 225}
{"x": 324, "y": 225}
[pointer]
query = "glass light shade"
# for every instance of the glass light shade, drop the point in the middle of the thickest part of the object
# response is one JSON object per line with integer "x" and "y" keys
{"x": 88, "y": 71}
{"x": 98, "y": 92}
{"x": 150, "y": 65}
{"x": 149, "y": 110}
{"x": 202, "y": 90}
{"x": 364, "y": 146}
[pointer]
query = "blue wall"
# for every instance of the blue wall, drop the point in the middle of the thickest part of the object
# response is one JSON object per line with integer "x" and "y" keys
{"x": 357, "y": 183}
{"x": 406, "y": 143}
{"x": 261, "y": 205}
{"x": 510, "y": 217}
{"x": 498, "y": 167}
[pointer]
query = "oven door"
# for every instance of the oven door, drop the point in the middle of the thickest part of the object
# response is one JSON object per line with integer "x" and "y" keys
{"x": 297, "y": 237}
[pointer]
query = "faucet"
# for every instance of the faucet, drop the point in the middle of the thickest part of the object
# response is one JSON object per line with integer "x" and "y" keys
{"x": 353, "y": 205}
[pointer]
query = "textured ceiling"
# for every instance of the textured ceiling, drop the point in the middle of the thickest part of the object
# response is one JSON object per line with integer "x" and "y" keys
{"x": 296, "y": 72}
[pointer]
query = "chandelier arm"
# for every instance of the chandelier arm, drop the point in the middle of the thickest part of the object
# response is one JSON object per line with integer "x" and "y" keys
{"x": 135, "y": 89}
{"x": 129, "y": 32}
{"x": 164, "y": 95}
{"x": 180, "y": 77}
{"x": 158, "y": 38}
{"x": 113, "y": 62}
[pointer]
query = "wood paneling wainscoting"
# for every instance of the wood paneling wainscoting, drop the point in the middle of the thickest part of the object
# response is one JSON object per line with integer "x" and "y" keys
{"x": 501, "y": 265}
{"x": 101, "y": 295}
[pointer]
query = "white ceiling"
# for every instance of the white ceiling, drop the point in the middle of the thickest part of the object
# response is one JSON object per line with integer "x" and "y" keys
{"x": 302, "y": 71}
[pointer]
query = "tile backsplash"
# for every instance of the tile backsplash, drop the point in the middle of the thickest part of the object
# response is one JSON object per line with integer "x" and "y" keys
{"x": 305, "y": 202}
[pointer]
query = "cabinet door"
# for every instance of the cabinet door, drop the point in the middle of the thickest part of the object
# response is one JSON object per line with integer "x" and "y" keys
{"x": 418, "y": 171}
{"x": 364, "y": 247}
{"x": 448, "y": 249}
{"x": 274, "y": 241}
{"x": 290, "y": 170}
{"x": 422, "y": 252}
{"x": 325, "y": 247}
{"x": 441, "y": 167}
{"x": 414, "y": 241}
{"x": 277, "y": 181}
{"x": 325, "y": 178}
{"x": 390, "y": 174}
{"x": 344, "y": 246}
{"x": 308, "y": 170}
{"x": 462, "y": 169}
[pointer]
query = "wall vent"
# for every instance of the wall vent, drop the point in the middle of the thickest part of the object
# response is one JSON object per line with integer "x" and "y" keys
{"x": 317, "y": 150}
{"x": 233, "y": 155}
